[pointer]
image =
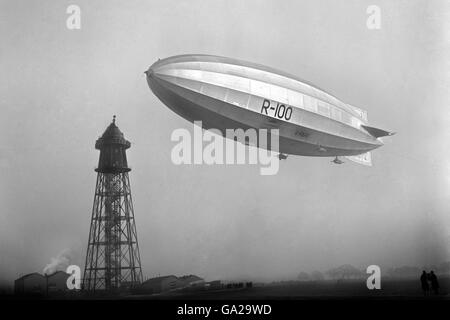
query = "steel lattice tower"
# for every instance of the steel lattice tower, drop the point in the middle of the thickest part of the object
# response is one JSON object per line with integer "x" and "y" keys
{"x": 112, "y": 257}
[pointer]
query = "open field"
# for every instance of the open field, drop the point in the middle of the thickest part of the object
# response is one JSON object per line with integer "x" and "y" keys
{"x": 390, "y": 289}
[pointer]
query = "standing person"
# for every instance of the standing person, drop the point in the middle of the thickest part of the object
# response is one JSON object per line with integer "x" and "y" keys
{"x": 424, "y": 282}
{"x": 434, "y": 282}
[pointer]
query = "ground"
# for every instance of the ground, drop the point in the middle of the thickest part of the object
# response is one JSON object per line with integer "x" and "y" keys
{"x": 330, "y": 289}
{"x": 391, "y": 289}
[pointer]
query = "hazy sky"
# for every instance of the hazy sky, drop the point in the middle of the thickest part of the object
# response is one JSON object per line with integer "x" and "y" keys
{"x": 59, "y": 89}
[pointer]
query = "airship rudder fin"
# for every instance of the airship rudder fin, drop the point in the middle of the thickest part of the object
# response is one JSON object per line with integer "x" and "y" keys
{"x": 375, "y": 132}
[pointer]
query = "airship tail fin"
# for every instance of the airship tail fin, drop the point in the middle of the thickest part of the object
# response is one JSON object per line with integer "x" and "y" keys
{"x": 377, "y": 132}
{"x": 364, "y": 159}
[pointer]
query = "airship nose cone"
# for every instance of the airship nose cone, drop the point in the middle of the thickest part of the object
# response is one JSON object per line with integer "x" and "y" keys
{"x": 152, "y": 70}
{"x": 149, "y": 72}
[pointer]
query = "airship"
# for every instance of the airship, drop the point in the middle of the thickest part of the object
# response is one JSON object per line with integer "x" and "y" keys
{"x": 226, "y": 93}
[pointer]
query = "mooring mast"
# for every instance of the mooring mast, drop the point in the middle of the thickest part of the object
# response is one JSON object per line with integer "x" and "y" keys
{"x": 112, "y": 257}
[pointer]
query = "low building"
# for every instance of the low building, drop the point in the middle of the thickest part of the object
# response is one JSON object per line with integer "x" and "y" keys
{"x": 191, "y": 281}
{"x": 57, "y": 282}
{"x": 38, "y": 284}
{"x": 214, "y": 285}
{"x": 160, "y": 284}
{"x": 168, "y": 283}
{"x": 32, "y": 283}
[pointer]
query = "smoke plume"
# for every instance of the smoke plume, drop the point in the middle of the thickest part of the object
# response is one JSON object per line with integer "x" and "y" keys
{"x": 59, "y": 263}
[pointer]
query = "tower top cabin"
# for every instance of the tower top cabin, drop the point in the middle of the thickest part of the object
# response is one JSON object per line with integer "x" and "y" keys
{"x": 112, "y": 145}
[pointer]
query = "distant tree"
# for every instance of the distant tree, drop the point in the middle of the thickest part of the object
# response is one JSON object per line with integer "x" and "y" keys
{"x": 404, "y": 272}
{"x": 345, "y": 271}
{"x": 303, "y": 276}
{"x": 317, "y": 276}
{"x": 430, "y": 267}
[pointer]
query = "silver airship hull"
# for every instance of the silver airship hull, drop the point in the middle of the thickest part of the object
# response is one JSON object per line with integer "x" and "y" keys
{"x": 231, "y": 94}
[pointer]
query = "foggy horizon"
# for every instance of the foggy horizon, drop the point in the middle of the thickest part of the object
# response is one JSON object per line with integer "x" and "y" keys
{"x": 60, "y": 89}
